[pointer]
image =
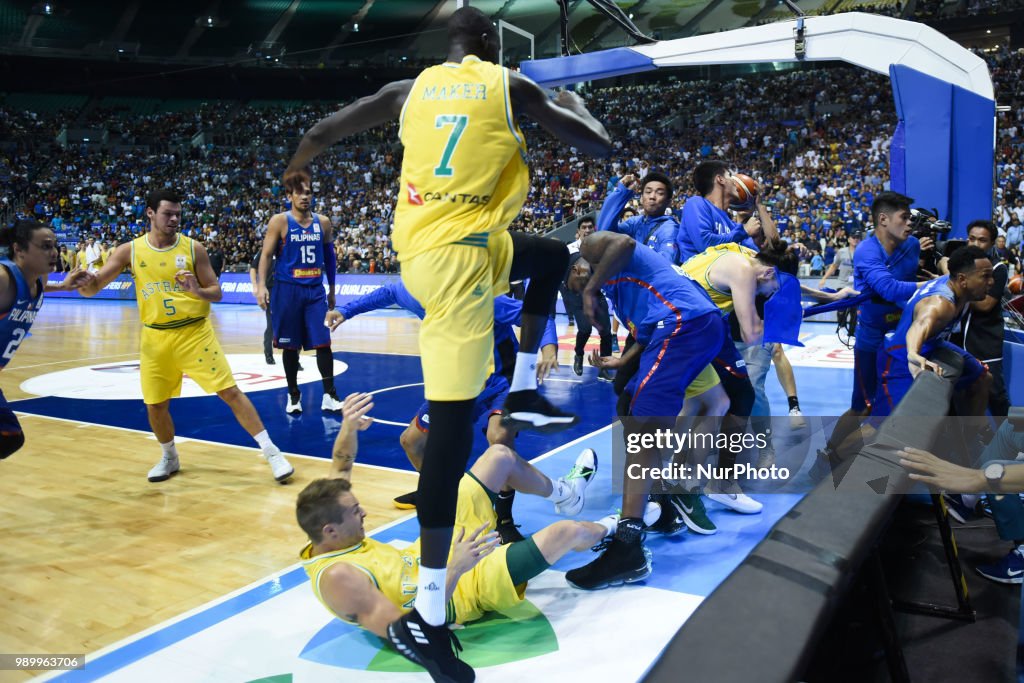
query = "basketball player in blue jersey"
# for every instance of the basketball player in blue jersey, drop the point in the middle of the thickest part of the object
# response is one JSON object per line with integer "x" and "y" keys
{"x": 929, "y": 319}
{"x": 464, "y": 179}
{"x": 678, "y": 332}
{"x": 706, "y": 221}
{"x": 884, "y": 265}
{"x": 32, "y": 255}
{"x": 301, "y": 241}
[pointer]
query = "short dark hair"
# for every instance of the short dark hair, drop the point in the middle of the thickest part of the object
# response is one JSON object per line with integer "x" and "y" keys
{"x": 888, "y": 202}
{"x": 154, "y": 198}
{"x": 776, "y": 252}
{"x": 962, "y": 260}
{"x": 19, "y": 233}
{"x": 294, "y": 181}
{"x": 705, "y": 173}
{"x": 467, "y": 24}
{"x": 988, "y": 225}
{"x": 586, "y": 219}
{"x": 318, "y": 505}
{"x": 655, "y": 177}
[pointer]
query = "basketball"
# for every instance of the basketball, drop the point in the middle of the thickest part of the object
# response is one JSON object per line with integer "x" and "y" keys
{"x": 746, "y": 188}
{"x": 1015, "y": 284}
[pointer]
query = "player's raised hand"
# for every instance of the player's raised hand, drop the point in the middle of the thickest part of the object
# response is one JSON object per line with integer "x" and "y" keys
{"x": 354, "y": 409}
{"x": 628, "y": 181}
{"x": 187, "y": 280}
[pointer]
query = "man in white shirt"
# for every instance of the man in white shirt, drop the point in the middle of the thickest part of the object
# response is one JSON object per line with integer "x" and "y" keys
{"x": 92, "y": 255}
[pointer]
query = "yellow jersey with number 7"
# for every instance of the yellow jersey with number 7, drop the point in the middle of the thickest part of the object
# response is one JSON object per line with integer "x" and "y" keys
{"x": 464, "y": 171}
{"x": 163, "y": 303}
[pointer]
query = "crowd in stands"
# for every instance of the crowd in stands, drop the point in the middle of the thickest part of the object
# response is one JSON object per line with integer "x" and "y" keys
{"x": 817, "y": 139}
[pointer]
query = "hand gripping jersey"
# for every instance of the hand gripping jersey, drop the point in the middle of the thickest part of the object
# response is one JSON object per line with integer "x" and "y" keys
{"x": 464, "y": 170}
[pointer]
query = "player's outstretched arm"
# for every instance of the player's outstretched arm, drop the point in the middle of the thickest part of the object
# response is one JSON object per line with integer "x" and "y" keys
{"x": 565, "y": 117}
{"x": 120, "y": 259}
{"x": 365, "y": 113}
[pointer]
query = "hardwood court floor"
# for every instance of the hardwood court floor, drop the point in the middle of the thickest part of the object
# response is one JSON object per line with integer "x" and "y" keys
{"x": 91, "y": 552}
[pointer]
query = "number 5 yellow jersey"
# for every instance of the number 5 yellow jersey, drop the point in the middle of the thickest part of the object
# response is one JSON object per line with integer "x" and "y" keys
{"x": 163, "y": 304}
{"x": 464, "y": 170}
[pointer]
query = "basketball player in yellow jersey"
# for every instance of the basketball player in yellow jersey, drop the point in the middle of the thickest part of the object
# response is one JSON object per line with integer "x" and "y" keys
{"x": 464, "y": 178}
{"x": 371, "y": 584}
{"x": 174, "y": 285}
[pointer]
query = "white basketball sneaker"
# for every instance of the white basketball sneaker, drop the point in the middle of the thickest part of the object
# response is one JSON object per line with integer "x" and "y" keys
{"x": 577, "y": 479}
{"x": 164, "y": 469}
{"x": 279, "y": 465}
{"x": 330, "y": 404}
{"x": 731, "y": 496}
{"x": 294, "y": 405}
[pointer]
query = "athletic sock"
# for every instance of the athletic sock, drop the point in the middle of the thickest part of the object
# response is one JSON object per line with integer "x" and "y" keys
{"x": 503, "y": 506}
{"x": 169, "y": 450}
{"x": 430, "y": 602}
{"x": 266, "y": 445}
{"x": 524, "y": 377}
{"x": 629, "y": 530}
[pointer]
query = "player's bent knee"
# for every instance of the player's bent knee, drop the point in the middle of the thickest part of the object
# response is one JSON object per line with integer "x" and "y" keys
{"x": 10, "y": 443}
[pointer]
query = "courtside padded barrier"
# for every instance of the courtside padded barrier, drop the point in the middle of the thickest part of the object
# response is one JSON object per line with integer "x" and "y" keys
{"x": 764, "y": 621}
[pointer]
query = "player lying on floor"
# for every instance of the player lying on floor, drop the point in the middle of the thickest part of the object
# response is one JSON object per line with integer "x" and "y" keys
{"x": 365, "y": 582}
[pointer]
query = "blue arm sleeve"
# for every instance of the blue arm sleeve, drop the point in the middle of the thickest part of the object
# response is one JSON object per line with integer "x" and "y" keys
{"x": 382, "y": 297}
{"x": 330, "y": 265}
{"x": 614, "y": 203}
{"x": 550, "y": 335}
{"x": 873, "y": 271}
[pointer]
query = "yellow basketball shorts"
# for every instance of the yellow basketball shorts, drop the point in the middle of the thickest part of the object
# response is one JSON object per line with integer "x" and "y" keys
{"x": 487, "y": 586}
{"x": 167, "y": 355}
{"x": 456, "y": 285}
{"x": 705, "y": 381}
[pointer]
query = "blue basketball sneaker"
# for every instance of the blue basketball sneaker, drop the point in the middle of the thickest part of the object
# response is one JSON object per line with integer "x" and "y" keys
{"x": 1010, "y": 569}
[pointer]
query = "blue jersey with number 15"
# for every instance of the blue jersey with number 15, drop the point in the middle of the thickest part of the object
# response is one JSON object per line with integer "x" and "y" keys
{"x": 300, "y": 254}
{"x": 15, "y": 323}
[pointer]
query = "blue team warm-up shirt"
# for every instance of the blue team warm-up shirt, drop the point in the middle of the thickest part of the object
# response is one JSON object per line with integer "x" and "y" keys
{"x": 938, "y": 287}
{"x": 705, "y": 225}
{"x": 650, "y": 296}
{"x": 658, "y": 232}
{"x": 891, "y": 279}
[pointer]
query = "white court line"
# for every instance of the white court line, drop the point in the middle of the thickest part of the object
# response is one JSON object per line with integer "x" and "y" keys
{"x": 254, "y": 447}
{"x": 73, "y": 360}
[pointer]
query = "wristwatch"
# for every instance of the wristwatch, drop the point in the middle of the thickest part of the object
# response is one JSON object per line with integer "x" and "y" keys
{"x": 994, "y": 473}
